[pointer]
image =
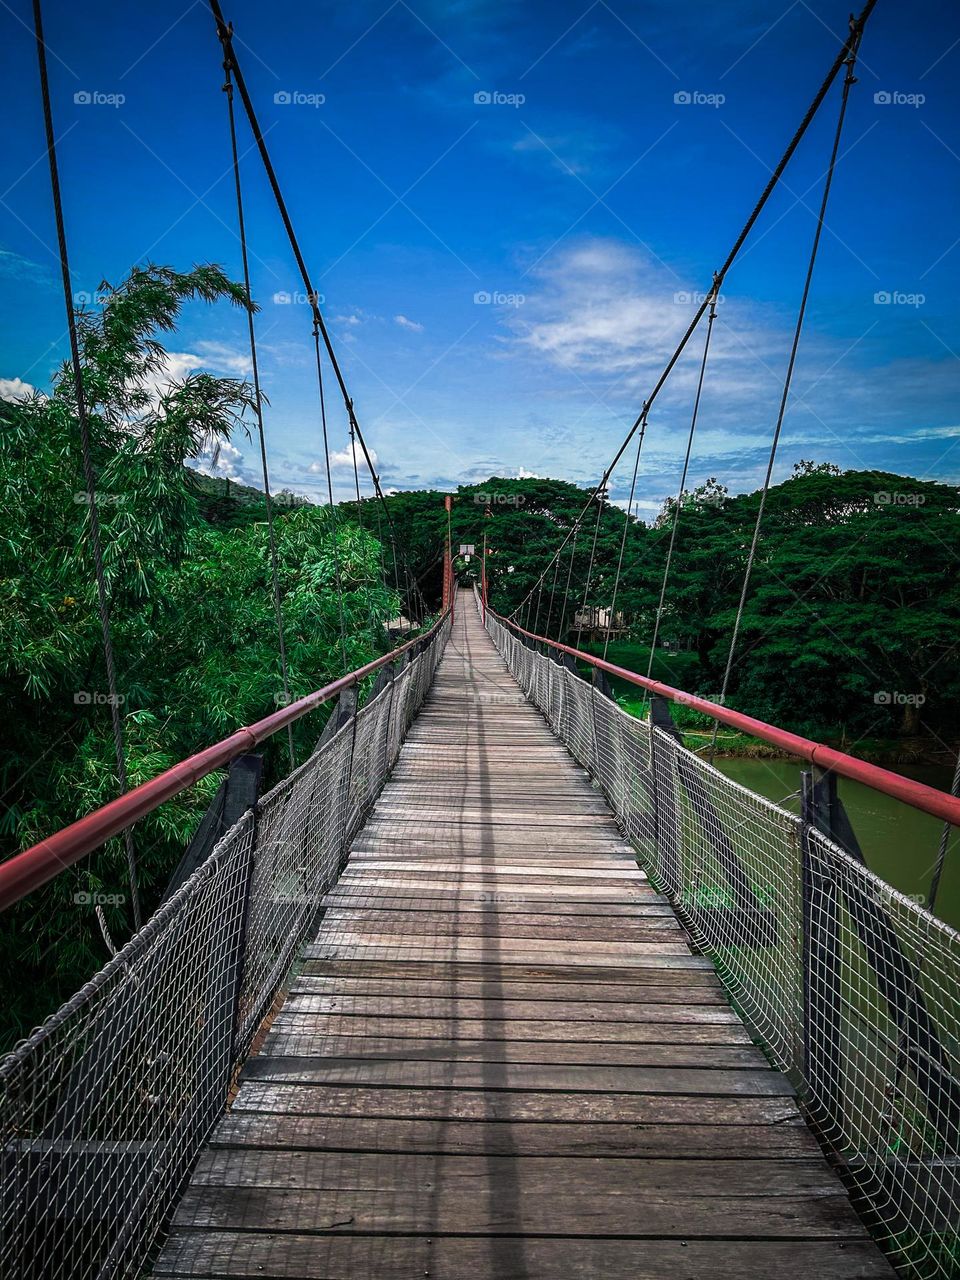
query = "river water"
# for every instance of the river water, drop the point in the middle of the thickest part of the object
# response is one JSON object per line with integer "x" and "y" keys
{"x": 899, "y": 843}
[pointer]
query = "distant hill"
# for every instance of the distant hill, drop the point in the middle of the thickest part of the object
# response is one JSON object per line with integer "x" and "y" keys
{"x": 228, "y": 502}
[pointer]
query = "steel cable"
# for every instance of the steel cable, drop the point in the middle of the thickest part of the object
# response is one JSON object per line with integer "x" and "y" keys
{"x": 683, "y": 480}
{"x": 849, "y": 80}
{"x": 850, "y": 44}
{"x": 89, "y": 475}
{"x": 258, "y": 397}
{"x": 623, "y": 539}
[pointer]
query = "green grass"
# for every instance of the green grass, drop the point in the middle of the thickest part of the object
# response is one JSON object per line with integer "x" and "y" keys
{"x": 678, "y": 669}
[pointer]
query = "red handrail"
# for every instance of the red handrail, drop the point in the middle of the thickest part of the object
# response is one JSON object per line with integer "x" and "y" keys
{"x": 27, "y": 870}
{"x": 939, "y": 804}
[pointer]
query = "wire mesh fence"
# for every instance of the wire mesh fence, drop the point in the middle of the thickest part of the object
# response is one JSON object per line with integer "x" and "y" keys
{"x": 852, "y": 988}
{"x": 104, "y": 1108}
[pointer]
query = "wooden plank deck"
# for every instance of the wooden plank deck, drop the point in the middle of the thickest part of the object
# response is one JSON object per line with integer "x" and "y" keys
{"x": 501, "y": 1059}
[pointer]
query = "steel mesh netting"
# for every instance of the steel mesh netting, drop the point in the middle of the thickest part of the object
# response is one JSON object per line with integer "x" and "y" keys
{"x": 104, "y": 1108}
{"x": 883, "y": 1046}
{"x": 851, "y": 987}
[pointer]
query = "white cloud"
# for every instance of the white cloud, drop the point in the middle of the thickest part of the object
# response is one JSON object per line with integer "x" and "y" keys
{"x": 223, "y": 359}
{"x": 404, "y": 323}
{"x": 602, "y": 307}
{"x": 15, "y": 389}
{"x": 574, "y": 153}
{"x": 178, "y": 365}
{"x": 341, "y": 458}
{"x": 223, "y": 459}
{"x": 345, "y": 457}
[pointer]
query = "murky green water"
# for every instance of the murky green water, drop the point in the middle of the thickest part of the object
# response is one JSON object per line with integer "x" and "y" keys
{"x": 899, "y": 843}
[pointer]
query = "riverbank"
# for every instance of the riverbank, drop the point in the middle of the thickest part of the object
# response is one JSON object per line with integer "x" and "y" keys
{"x": 892, "y": 753}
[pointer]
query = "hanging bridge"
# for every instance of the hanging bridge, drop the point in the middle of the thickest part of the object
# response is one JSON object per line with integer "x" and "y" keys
{"x": 501, "y": 980}
{"x": 501, "y": 1057}
{"x": 557, "y": 999}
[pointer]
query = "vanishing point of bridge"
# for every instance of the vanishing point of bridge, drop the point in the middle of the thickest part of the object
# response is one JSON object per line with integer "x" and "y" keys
{"x": 501, "y": 1057}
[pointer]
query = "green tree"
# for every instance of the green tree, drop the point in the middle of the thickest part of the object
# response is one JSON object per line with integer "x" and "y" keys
{"x": 191, "y": 610}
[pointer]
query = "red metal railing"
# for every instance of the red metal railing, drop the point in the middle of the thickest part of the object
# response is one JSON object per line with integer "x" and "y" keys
{"x": 939, "y": 804}
{"x": 33, "y": 867}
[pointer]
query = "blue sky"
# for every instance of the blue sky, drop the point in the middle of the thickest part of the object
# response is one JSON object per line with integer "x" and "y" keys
{"x": 582, "y": 199}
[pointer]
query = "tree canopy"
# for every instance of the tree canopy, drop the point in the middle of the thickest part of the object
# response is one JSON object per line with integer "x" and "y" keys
{"x": 194, "y": 631}
{"x": 850, "y": 622}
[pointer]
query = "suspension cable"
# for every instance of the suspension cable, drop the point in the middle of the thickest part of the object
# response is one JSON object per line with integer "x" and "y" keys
{"x": 850, "y": 44}
{"x": 536, "y": 623}
{"x": 225, "y": 35}
{"x": 356, "y": 482}
{"x": 562, "y": 629}
{"x": 553, "y": 592}
{"x": 586, "y": 585}
{"x": 623, "y": 539}
{"x": 356, "y": 472}
{"x": 853, "y": 45}
{"x": 258, "y": 398}
{"x": 89, "y": 475}
{"x": 683, "y": 480}
{"x": 333, "y": 515}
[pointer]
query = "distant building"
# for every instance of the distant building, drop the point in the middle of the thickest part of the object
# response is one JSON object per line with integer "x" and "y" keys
{"x": 600, "y": 621}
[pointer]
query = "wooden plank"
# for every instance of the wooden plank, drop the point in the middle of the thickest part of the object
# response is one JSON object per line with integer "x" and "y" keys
{"x": 351, "y": 1044}
{"x": 450, "y": 902}
{"x": 412, "y": 1002}
{"x": 514, "y": 871}
{"x": 241, "y": 1255}
{"x": 682, "y": 978}
{"x": 499, "y": 924}
{"x": 507, "y": 1138}
{"x": 480, "y": 882}
{"x": 548, "y": 999}
{"x": 539, "y": 1175}
{"x": 368, "y": 1193}
{"x": 517, "y": 1075}
{"x": 502, "y": 943}
{"x": 451, "y": 1103}
{"x": 523, "y": 960}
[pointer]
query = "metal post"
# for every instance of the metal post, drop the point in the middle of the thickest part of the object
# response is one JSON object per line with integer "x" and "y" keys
{"x": 666, "y": 822}
{"x": 821, "y": 946}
